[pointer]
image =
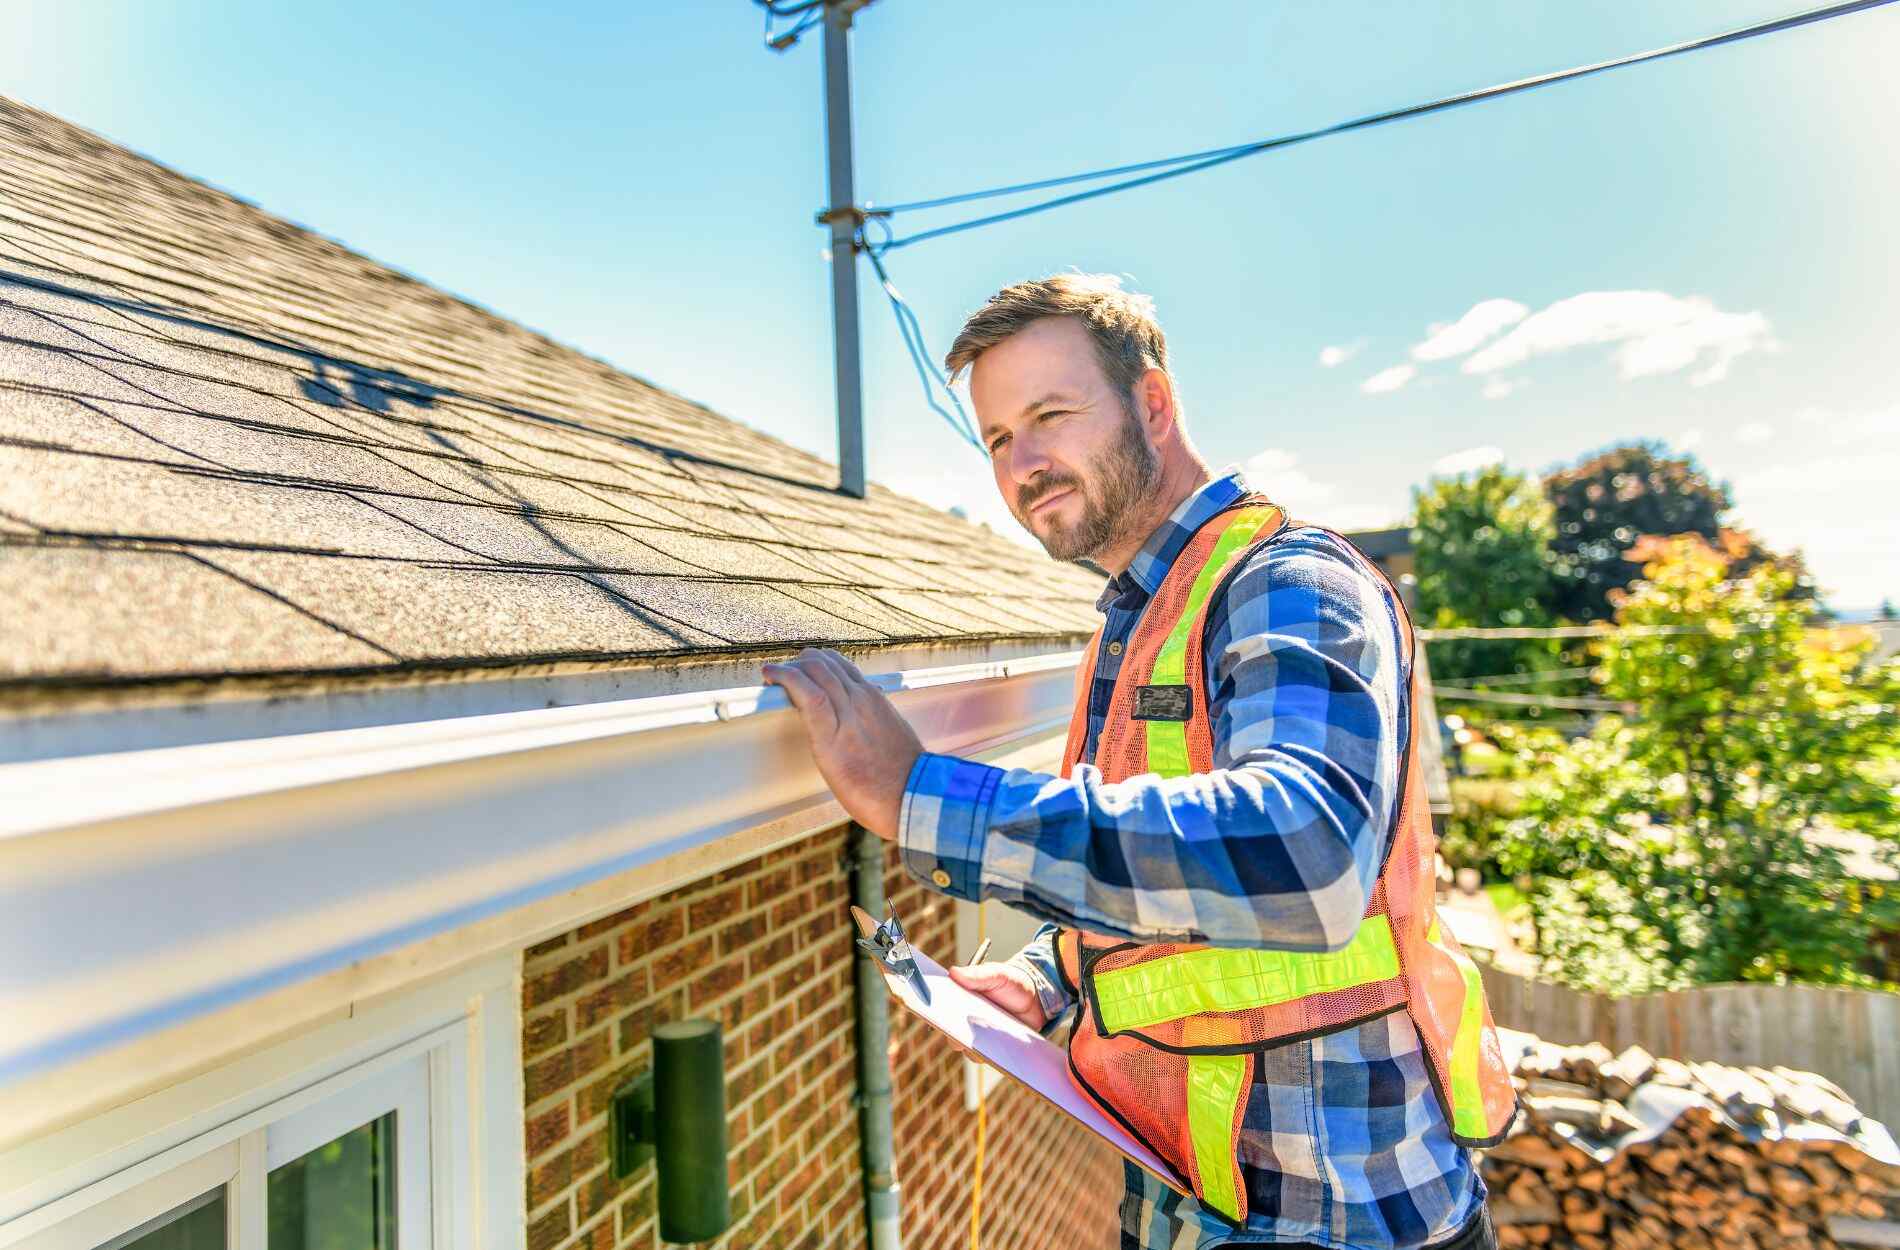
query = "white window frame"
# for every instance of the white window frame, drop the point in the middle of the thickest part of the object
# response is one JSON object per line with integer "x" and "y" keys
{"x": 446, "y": 1058}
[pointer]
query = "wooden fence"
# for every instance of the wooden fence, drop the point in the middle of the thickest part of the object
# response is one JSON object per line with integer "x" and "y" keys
{"x": 1852, "y": 1037}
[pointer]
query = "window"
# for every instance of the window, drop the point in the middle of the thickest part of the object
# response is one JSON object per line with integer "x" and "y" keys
{"x": 396, "y": 1129}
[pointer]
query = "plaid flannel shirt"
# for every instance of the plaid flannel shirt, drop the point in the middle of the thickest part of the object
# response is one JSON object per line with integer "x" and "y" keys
{"x": 1342, "y": 1142}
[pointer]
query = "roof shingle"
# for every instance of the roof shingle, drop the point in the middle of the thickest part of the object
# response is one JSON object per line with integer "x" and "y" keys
{"x": 230, "y": 446}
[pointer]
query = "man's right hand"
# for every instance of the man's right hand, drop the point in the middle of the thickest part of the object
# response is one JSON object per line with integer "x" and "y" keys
{"x": 1005, "y": 985}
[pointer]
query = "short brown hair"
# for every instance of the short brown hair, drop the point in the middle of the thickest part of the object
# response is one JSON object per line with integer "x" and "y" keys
{"x": 1128, "y": 339}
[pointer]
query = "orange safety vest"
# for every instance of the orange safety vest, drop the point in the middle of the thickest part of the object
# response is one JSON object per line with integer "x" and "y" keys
{"x": 1168, "y": 1035}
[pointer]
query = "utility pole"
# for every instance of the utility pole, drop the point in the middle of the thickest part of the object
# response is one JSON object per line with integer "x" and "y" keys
{"x": 843, "y": 217}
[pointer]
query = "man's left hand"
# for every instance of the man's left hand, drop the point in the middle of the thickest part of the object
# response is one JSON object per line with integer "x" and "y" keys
{"x": 863, "y": 747}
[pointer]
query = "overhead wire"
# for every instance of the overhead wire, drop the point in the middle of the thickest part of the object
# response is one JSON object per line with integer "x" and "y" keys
{"x": 808, "y": 12}
{"x": 1575, "y": 703}
{"x": 1180, "y": 166}
{"x": 912, "y": 332}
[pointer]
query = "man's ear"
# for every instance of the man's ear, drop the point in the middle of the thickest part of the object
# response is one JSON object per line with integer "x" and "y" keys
{"x": 1154, "y": 400}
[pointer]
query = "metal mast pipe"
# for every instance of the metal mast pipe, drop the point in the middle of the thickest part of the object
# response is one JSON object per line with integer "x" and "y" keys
{"x": 842, "y": 216}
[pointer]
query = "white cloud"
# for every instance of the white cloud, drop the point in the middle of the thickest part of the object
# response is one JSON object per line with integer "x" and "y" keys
{"x": 1689, "y": 439}
{"x": 1498, "y": 388}
{"x": 1655, "y": 333}
{"x": 1388, "y": 379}
{"x": 1469, "y": 460}
{"x": 1332, "y": 356}
{"x": 1277, "y": 472}
{"x": 1837, "y": 506}
{"x": 1756, "y": 432}
{"x": 1484, "y": 319}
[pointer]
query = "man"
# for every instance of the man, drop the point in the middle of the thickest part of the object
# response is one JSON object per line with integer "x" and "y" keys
{"x": 1233, "y": 882}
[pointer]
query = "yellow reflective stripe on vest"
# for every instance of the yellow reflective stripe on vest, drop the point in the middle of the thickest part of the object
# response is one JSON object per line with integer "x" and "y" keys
{"x": 1467, "y": 1094}
{"x": 1167, "y": 739}
{"x": 1215, "y": 1084}
{"x": 1226, "y": 978}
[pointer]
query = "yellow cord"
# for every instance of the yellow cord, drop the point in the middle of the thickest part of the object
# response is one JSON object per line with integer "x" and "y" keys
{"x": 976, "y": 1182}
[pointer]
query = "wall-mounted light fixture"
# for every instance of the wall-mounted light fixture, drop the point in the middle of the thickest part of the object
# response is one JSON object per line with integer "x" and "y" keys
{"x": 676, "y": 1114}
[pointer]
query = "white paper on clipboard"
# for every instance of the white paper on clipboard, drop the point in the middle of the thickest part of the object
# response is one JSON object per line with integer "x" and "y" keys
{"x": 1016, "y": 1050}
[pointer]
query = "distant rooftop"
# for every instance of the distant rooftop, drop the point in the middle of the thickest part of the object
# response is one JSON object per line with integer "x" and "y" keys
{"x": 232, "y": 448}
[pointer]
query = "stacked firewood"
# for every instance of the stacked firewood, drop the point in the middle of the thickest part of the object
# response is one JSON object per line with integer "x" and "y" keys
{"x": 1629, "y": 1152}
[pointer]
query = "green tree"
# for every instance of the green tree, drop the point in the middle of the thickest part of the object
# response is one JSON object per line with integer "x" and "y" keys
{"x": 1481, "y": 546}
{"x": 1608, "y": 501}
{"x": 1697, "y": 833}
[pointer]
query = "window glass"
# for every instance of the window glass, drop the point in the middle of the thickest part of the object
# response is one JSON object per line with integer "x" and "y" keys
{"x": 340, "y": 1196}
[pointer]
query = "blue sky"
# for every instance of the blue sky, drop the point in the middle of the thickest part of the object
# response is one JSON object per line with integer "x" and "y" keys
{"x": 1700, "y": 251}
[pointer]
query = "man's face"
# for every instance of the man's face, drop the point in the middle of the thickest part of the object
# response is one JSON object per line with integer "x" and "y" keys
{"x": 1071, "y": 460}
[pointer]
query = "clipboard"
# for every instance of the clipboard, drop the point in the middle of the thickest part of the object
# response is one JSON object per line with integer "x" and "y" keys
{"x": 1007, "y": 1044}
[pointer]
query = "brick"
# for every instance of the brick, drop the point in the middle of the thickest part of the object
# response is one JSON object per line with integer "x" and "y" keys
{"x": 598, "y": 1237}
{"x": 716, "y": 908}
{"x": 546, "y": 1130}
{"x": 540, "y": 1034}
{"x": 788, "y": 911}
{"x": 788, "y": 981}
{"x": 635, "y": 1028}
{"x": 591, "y": 1053}
{"x": 541, "y": 1079}
{"x": 662, "y": 929}
{"x": 589, "y": 1152}
{"x": 610, "y": 999}
{"x": 746, "y": 1083}
{"x": 592, "y": 1099}
{"x": 550, "y": 1230}
{"x": 740, "y": 934}
{"x": 676, "y": 965}
{"x": 597, "y": 1193}
{"x": 723, "y": 977}
{"x": 781, "y": 948}
{"x": 549, "y": 1179}
{"x": 541, "y": 949}
{"x": 826, "y": 929}
{"x": 547, "y": 986}
{"x": 636, "y": 1208}
{"x": 769, "y": 886}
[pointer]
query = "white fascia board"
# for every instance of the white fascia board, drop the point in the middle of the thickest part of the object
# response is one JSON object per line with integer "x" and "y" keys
{"x": 148, "y": 888}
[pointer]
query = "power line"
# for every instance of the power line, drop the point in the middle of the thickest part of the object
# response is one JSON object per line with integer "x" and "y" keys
{"x": 1179, "y": 166}
{"x": 1576, "y": 703}
{"x": 912, "y": 332}
{"x": 1579, "y": 631}
{"x": 1549, "y": 674}
{"x": 808, "y": 12}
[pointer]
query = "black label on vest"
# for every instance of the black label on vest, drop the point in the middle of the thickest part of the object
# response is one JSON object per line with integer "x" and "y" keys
{"x": 1162, "y": 703}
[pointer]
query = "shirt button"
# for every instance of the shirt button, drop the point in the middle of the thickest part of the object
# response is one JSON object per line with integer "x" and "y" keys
{"x": 1114, "y": 648}
{"x": 941, "y": 878}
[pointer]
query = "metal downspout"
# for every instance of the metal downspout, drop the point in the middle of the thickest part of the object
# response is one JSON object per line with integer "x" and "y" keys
{"x": 874, "y": 1053}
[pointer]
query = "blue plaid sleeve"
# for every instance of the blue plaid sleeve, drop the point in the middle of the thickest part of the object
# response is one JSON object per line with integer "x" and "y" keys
{"x": 1278, "y": 846}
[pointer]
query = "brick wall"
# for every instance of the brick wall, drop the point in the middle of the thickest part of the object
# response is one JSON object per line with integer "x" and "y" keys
{"x": 765, "y": 947}
{"x": 1047, "y": 1184}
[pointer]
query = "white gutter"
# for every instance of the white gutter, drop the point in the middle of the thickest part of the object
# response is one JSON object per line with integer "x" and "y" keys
{"x": 144, "y": 889}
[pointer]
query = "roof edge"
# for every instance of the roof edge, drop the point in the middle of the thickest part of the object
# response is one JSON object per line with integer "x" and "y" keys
{"x": 172, "y": 884}
{"x": 55, "y": 720}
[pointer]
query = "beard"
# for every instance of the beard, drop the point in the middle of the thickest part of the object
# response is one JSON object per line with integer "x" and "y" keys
{"x": 1110, "y": 489}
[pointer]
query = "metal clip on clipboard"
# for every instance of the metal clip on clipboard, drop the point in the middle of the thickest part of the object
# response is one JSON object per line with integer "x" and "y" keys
{"x": 887, "y": 944}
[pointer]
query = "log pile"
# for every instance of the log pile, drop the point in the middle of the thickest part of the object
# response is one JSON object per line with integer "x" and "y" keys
{"x": 1633, "y": 1152}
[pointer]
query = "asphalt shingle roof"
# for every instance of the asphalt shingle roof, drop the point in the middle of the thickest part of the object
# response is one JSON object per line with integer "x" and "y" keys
{"x": 231, "y": 446}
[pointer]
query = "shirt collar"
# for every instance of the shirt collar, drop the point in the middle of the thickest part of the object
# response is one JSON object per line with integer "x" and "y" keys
{"x": 1151, "y": 564}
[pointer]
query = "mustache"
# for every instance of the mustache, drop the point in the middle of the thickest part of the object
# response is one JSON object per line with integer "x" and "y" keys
{"x": 1027, "y": 497}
